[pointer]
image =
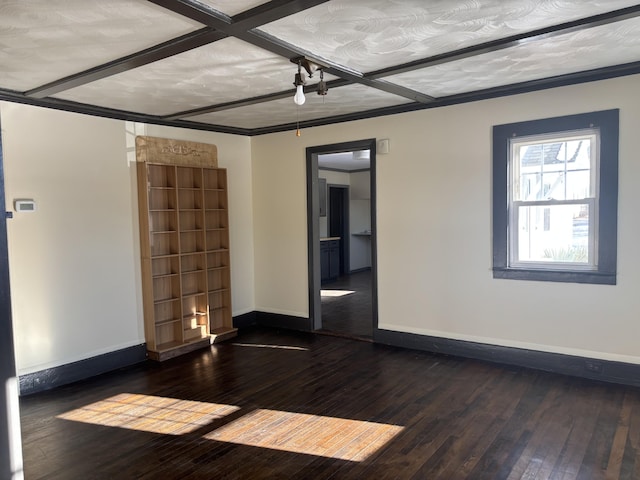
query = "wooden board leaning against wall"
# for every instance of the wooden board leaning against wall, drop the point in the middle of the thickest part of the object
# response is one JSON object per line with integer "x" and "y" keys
{"x": 184, "y": 245}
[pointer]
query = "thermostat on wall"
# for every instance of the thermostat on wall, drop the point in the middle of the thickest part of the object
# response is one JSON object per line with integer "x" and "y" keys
{"x": 25, "y": 205}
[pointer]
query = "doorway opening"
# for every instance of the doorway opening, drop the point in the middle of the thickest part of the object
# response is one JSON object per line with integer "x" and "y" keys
{"x": 342, "y": 242}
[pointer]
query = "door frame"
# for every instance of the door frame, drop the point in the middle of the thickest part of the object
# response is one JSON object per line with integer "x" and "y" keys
{"x": 10, "y": 439}
{"x": 313, "y": 227}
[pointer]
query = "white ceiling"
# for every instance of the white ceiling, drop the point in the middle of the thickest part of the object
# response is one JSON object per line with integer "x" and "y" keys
{"x": 225, "y": 65}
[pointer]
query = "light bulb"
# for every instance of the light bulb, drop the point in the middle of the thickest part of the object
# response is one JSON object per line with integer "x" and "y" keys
{"x": 299, "y": 98}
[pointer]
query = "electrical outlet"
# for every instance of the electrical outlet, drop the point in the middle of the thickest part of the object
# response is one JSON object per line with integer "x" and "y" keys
{"x": 595, "y": 367}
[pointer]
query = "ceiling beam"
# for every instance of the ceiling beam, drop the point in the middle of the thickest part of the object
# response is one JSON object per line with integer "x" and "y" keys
{"x": 260, "y": 15}
{"x": 243, "y": 27}
{"x": 512, "y": 41}
{"x": 251, "y": 101}
{"x": 167, "y": 49}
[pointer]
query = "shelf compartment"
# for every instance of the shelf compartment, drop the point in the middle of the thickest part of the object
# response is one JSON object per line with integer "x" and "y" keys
{"x": 217, "y": 259}
{"x": 166, "y": 288}
{"x": 191, "y": 242}
{"x": 194, "y": 304}
{"x": 164, "y": 243}
{"x": 217, "y": 240}
{"x": 219, "y": 319}
{"x": 191, "y": 220}
{"x": 193, "y": 283}
{"x": 162, "y": 199}
{"x": 168, "y": 333}
{"x": 215, "y": 200}
{"x": 194, "y": 262}
{"x": 189, "y": 177}
{"x": 218, "y": 279}
{"x": 161, "y": 175}
{"x": 164, "y": 266}
{"x": 215, "y": 179}
{"x": 195, "y": 326}
{"x": 167, "y": 311}
{"x": 195, "y": 333}
{"x": 216, "y": 219}
{"x": 190, "y": 199}
{"x": 219, "y": 299}
{"x": 163, "y": 221}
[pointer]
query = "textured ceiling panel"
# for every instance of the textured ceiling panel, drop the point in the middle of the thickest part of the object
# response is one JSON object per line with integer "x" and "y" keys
{"x": 232, "y": 7}
{"x": 368, "y": 35}
{"x": 339, "y": 101}
{"x": 573, "y": 52}
{"x": 43, "y": 40}
{"x": 224, "y": 71}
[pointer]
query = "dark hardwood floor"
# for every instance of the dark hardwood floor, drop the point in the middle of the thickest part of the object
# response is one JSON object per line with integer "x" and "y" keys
{"x": 279, "y": 405}
{"x": 349, "y": 314}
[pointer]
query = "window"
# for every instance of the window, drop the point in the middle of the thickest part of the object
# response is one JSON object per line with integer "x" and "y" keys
{"x": 555, "y": 188}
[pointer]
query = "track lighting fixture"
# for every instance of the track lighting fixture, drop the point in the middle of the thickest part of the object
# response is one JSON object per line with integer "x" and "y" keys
{"x": 299, "y": 82}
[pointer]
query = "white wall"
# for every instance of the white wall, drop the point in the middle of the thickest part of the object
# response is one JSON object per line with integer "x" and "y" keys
{"x": 75, "y": 262}
{"x": 434, "y": 228}
{"x": 360, "y": 220}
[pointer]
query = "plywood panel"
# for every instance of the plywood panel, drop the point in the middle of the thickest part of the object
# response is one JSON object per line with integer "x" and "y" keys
{"x": 176, "y": 152}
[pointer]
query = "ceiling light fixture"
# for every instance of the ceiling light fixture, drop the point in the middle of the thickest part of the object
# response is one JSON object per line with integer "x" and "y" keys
{"x": 299, "y": 82}
{"x": 322, "y": 86}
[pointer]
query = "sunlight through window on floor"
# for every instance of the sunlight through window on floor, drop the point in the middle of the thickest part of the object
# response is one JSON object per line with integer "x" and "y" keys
{"x": 335, "y": 293}
{"x": 340, "y": 438}
{"x": 148, "y": 413}
{"x": 261, "y": 345}
{"x": 331, "y": 437}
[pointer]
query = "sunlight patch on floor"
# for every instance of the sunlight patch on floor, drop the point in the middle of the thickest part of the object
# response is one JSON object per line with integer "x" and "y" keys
{"x": 148, "y": 413}
{"x": 335, "y": 293}
{"x": 332, "y": 437}
{"x": 261, "y": 345}
{"x": 340, "y": 438}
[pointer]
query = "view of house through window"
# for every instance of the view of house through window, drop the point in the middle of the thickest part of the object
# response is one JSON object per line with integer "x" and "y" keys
{"x": 553, "y": 200}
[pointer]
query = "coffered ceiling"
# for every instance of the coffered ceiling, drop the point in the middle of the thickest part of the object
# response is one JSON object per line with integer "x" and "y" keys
{"x": 225, "y": 65}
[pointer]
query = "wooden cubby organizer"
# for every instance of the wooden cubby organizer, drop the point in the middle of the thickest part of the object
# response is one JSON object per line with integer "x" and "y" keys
{"x": 184, "y": 237}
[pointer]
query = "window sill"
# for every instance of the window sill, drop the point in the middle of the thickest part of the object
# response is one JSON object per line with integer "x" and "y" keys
{"x": 597, "y": 278}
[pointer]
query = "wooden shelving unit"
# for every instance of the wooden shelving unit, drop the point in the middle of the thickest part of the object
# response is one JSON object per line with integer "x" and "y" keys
{"x": 185, "y": 257}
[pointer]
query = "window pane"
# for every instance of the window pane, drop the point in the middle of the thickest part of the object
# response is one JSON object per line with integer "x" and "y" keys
{"x": 578, "y": 185}
{"x": 559, "y": 169}
{"x": 554, "y": 233}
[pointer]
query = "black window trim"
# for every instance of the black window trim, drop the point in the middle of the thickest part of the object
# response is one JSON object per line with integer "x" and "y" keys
{"x": 607, "y": 122}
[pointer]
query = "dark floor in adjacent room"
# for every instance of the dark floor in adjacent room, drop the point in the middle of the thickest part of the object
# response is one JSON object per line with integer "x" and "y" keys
{"x": 274, "y": 404}
{"x": 349, "y": 312}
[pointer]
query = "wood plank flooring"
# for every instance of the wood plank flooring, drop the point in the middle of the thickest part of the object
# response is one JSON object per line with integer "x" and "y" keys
{"x": 277, "y": 405}
{"x": 350, "y": 314}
